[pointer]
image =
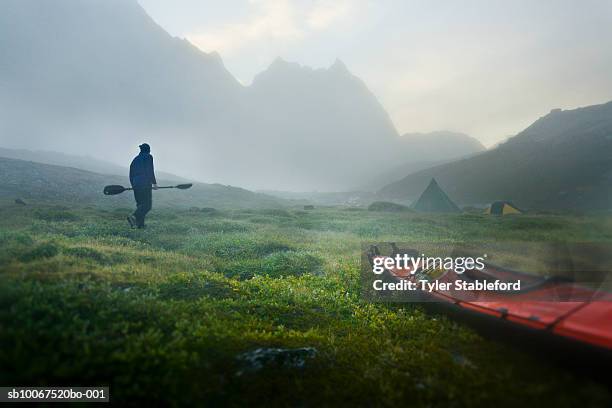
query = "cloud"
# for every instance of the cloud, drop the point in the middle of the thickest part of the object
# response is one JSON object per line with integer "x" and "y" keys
{"x": 327, "y": 12}
{"x": 271, "y": 21}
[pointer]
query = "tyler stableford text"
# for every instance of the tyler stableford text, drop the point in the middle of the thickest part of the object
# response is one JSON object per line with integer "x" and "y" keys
{"x": 437, "y": 286}
{"x": 414, "y": 271}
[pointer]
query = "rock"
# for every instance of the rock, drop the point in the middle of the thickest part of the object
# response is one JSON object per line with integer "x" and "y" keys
{"x": 260, "y": 358}
{"x": 20, "y": 201}
{"x": 462, "y": 361}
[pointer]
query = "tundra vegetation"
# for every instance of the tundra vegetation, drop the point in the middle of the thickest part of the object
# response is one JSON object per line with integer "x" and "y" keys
{"x": 255, "y": 306}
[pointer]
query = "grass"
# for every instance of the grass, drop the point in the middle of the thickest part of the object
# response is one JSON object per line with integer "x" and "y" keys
{"x": 168, "y": 314}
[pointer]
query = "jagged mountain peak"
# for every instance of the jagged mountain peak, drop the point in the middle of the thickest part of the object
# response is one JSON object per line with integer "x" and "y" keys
{"x": 282, "y": 67}
{"x": 101, "y": 75}
{"x": 339, "y": 67}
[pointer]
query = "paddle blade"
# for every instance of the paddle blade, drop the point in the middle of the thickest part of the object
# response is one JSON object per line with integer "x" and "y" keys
{"x": 113, "y": 189}
{"x": 184, "y": 186}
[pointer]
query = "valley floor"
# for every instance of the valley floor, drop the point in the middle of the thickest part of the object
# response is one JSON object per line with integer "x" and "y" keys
{"x": 178, "y": 312}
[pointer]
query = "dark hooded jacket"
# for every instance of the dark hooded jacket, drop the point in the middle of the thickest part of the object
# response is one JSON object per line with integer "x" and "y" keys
{"x": 142, "y": 174}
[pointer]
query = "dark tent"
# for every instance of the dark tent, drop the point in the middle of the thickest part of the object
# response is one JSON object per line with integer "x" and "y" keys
{"x": 434, "y": 200}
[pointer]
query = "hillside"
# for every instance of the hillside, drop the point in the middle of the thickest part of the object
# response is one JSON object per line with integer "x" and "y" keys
{"x": 80, "y": 162}
{"x": 100, "y": 77}
{"x": 562, "y": 161}
{"x": 441, "y": 145}
{"x": 425, "y": 150}
{"x": 37, "y": 182}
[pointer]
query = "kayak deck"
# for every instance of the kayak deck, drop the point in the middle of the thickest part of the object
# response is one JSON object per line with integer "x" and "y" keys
{"x": 569, "y": 310}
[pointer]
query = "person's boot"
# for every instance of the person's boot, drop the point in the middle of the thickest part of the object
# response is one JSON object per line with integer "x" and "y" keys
{"x": 132, "y": 220}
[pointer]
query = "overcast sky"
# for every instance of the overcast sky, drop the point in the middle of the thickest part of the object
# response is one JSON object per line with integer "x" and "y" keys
{"x": 488, "y": 68}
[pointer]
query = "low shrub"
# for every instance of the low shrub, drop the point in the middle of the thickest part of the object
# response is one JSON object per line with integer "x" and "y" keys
{"x": 87, "y": 253}
{"x": 40, "y": 251}
{"x": 294, "y": 263}
{"x": 387, "y": 206}
{"x": 192, "y": 288}
{"x": 56, "y": 215}
{"x": 233, "y": 247}
{"x": 9, "y": 238}
{"x": 14, "y": 245}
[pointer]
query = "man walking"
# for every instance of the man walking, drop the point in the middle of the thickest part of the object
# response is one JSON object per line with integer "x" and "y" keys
{"x": 142, "y": 178}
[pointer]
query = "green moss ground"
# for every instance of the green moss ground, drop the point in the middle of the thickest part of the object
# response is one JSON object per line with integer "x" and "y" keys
{"x": 165, "y": 313}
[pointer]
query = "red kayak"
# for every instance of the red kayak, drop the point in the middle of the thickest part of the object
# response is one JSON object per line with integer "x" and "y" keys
{"x": 570, "y": 311}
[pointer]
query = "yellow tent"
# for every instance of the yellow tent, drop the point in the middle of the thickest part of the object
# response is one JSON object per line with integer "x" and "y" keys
{"x": 502, "y": 208}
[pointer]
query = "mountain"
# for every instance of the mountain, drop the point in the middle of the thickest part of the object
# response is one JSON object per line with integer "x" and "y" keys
{"x": 441, "y": 145}
{"x": 99, "y": 77}
{"x": 85, "y": 62}
{"x": 80, "y": 162}
{"x": 39, "y": 182}
{"x": 425, "y": 150}
{"x": 562, "y": 161}
{"x": 323, "y": 125}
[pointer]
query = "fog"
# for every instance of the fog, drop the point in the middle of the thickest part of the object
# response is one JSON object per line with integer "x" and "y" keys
{"x": 487, "y": 68}
{"x": 100, "y": 77}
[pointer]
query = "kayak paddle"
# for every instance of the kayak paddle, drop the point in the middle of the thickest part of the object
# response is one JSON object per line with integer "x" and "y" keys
{"x": 117, "y": 189}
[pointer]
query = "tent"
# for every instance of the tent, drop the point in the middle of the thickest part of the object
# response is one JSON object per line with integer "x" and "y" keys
{"x": 434, "y": 200}
{"x": 502, "y": 208}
